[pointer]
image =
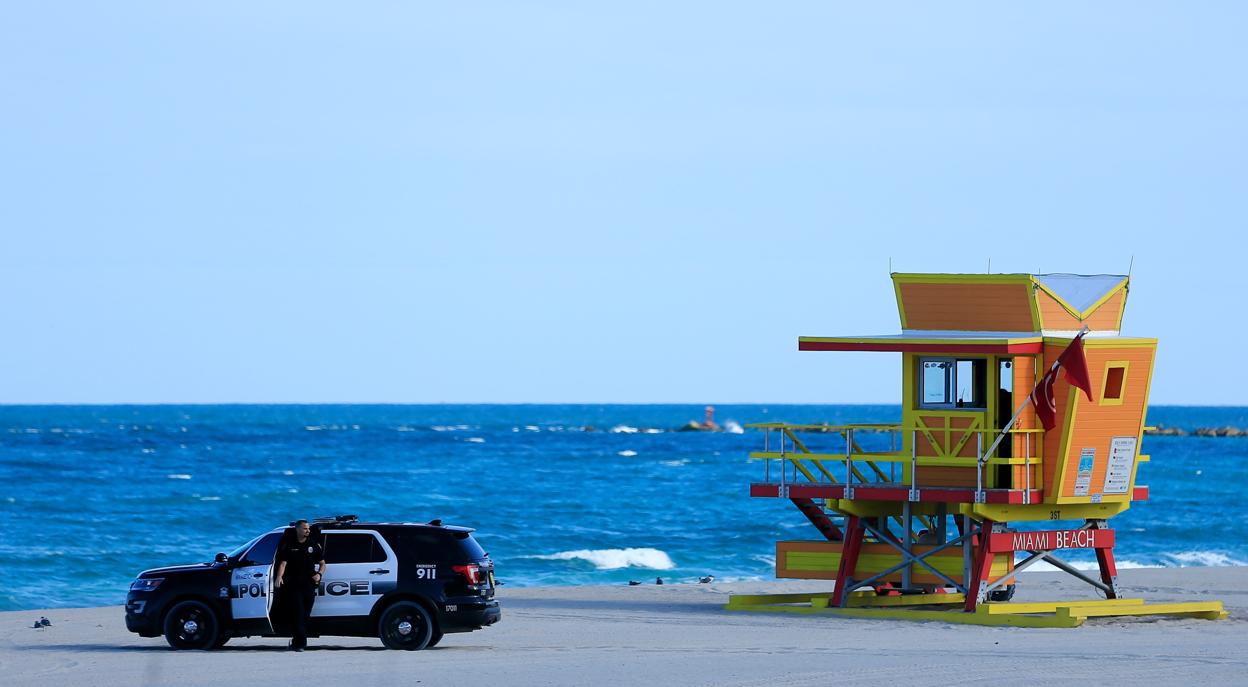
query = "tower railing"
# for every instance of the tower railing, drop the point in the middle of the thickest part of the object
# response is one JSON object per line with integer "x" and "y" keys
{"x": 843, "y": 463}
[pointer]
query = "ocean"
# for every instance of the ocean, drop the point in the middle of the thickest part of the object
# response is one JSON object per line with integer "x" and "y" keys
{"x": 559, "y": 494}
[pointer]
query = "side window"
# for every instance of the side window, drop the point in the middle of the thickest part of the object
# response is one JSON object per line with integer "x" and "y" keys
{"x": 352, "y": 547}
{"x": 953, "y": 383}
{"x": 262, "y": 552}
{"x": 937, "y": 382}
{"x": 423, "y": 546}
{"x": 1115, "y": 385}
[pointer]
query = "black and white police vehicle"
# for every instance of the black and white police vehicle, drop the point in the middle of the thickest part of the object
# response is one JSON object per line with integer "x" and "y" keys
{"x": 408, "y": 584}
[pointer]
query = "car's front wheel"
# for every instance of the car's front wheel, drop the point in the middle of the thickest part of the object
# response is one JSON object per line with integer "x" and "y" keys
{"x": 192, "y": 625}
{"x": 406, "y": 625}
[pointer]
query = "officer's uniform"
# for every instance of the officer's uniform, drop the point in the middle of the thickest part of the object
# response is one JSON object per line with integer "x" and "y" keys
{"x": 298, "y": 591}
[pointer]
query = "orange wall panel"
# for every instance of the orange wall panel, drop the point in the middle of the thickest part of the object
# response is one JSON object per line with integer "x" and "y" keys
{"x": 1097, "y": 424}
{"x": 1106, "y": 317}
{"x": 1024, "y": 381}
{"x": 967, "y": 307}
{"x": 1053, "y": 438}
{"x": 1053, "y": 315}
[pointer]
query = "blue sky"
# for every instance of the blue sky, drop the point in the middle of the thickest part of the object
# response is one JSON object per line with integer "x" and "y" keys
{"x": 546, "y": 202}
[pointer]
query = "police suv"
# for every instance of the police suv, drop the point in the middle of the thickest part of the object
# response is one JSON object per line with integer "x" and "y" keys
{"x": 408, "y": 584}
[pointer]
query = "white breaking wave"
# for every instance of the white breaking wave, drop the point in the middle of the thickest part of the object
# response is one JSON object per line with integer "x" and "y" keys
{"x": 627, "y": 453}
{"x": 613, "y": 559}
{"x": 1045, "y": 566}
{"x": 732, "y": 427}
{"x": 475, "y": 440}
{"x": 449, "y": 428}
{"x": 1212, "y": 559}
{"x": 1183, "y": 559}
{"x": 623, "y": 429}
{"x": 178, "y": 476}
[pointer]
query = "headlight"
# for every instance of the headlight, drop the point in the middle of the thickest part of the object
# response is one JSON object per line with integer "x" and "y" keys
{"x": 148, "y": 584}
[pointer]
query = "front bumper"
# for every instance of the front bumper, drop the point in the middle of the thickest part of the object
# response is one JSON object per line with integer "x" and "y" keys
{"x": 140, "y": 615}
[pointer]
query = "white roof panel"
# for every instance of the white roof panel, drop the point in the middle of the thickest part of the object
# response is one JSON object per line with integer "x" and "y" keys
{"x": 1081, "y": 291}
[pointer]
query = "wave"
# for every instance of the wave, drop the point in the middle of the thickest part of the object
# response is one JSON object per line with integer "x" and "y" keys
{"x": 627, "y": 453}
{"x": 1202, "y": 559}
{"x": 1183, "y": 559}
{"x": 178, "y": 476}
{"x": 1045, "y": 566}
{"x": 732, "y": 427}
{"x": 623, "y": 429}
{"x": 613, "y": 559}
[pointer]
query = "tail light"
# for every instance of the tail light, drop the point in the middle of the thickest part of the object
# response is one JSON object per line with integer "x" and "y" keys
{"x": 471, "y": 572}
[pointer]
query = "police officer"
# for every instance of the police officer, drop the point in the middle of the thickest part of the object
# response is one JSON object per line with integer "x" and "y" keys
{"x": 300, "y": 566}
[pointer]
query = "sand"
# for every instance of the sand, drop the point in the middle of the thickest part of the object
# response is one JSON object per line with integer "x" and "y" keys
{"x": 677, "y": 635}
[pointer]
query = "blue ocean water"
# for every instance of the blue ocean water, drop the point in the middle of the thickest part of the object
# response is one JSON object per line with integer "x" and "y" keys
{"x": 560, "y": 494}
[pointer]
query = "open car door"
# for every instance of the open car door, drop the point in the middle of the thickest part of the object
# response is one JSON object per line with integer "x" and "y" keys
{"x": 251, "y": 587}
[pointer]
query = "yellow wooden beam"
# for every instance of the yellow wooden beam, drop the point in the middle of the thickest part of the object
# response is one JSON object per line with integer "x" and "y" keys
{"x": 1210, "y": 610}
{"x": 903, "y": 613}
{"x": 1007, "y": 607}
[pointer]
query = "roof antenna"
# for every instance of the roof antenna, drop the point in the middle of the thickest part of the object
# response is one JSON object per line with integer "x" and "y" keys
{"x": 890, "y": 264}
{"x": 989, "y": 265}
{"x": 1130, "y": 266}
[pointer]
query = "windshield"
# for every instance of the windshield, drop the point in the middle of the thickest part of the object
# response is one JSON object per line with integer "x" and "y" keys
{"x": 239, "y": 551}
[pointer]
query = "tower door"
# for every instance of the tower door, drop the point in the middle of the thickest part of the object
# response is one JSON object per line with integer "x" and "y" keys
{"x": 1005, "y": 403}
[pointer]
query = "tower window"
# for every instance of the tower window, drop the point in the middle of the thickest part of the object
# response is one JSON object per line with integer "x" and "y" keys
{"x": 1115, "y": 385}
{"x": 953, "y": 382}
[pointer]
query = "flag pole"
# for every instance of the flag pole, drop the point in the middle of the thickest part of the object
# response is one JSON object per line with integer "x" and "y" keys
{"x": 1005, "y": 430}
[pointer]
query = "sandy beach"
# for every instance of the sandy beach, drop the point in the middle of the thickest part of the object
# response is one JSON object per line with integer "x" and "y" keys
{"x": 676, "y": 635}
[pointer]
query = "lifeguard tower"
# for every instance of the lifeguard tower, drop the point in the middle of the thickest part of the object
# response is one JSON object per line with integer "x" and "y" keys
{"x": 918, "y": 514}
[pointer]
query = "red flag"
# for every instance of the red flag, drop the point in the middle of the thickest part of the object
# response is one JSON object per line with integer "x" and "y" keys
{"x": 1076, "y": 366}
{"x": 1073, "y": 362}
{"x": 1042, "y": 400}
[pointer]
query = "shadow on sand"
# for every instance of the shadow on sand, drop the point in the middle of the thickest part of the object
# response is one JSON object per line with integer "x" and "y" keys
{"x": 227, "y": 649}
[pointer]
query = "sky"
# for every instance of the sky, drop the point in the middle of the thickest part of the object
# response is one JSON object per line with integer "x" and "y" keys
{"x": 644, "y": 202}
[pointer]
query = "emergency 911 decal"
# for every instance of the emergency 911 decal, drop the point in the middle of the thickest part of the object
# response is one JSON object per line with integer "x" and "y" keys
{"x": 426, "y": 571}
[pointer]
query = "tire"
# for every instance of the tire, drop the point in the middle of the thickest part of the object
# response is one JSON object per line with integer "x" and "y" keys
{"x": 405, "y": 625}
{"x": 192, "y": 625}
{"x": 434, "y": 639}
{"x": 221, "y": 640}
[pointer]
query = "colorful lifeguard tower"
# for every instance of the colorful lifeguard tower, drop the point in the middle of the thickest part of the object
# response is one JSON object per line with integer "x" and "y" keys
{"x": 917, "y": 514}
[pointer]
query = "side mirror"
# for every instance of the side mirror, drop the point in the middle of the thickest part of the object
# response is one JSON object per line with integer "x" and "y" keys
{"x": 221, "y": 558}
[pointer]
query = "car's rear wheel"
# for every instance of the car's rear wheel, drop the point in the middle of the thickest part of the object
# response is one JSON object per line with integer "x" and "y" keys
{"x": 434, "y": 639}
{"x": 192, "y": 625}
{"x": 406, "y": 625}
